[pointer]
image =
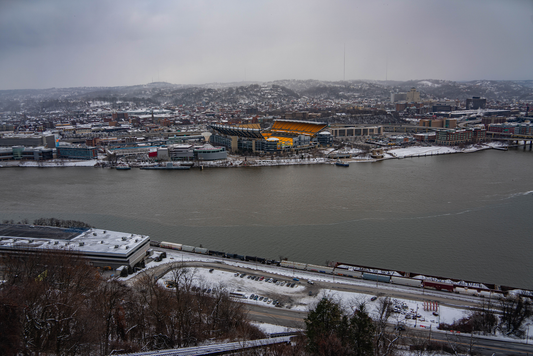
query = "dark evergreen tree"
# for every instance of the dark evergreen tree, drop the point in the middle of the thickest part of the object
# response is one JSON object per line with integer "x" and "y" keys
{"x": 329, "y": 332}
{"x": 322, "y": 326}
{"x": 361, "y": 332}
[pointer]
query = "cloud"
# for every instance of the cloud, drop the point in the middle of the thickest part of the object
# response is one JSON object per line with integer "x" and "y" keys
{"x": 93, "y": 43}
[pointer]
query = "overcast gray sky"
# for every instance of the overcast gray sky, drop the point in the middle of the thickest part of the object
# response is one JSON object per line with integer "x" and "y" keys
{"x": 71, "y": 43}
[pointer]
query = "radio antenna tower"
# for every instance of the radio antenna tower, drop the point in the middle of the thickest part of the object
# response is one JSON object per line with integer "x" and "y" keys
{"x": 386, "y": 67}
{"x": 344, "y": 71}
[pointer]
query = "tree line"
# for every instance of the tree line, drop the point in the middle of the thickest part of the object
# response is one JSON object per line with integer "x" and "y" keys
{"x": 56, "y": 303}
{"x": 50, "y": 222}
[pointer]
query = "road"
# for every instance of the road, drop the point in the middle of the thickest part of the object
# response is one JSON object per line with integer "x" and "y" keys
{"x": 295, "y": 319}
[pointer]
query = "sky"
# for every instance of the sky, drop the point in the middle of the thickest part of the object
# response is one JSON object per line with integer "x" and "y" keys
{"x": 65, "y": 43}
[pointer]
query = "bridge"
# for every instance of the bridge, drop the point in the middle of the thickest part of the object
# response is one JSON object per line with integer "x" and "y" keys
{"x": 501, "y": 136}
{"x": 217, "y": 349}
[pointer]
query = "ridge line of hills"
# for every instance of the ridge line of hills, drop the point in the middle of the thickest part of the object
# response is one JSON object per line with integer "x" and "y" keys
{"x": 162, "y": 93}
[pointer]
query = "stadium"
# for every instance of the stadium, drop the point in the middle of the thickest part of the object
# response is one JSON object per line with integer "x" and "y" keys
{"x": 283, "y": 136}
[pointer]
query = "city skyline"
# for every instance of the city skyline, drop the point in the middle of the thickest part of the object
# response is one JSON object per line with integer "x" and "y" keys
{"x": 96, "y": 43}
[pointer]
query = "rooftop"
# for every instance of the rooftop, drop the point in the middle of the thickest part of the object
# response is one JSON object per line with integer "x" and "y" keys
{"x": 81, "y": 240}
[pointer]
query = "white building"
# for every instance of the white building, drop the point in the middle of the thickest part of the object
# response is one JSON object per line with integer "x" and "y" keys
{"x": 101, "y": 247}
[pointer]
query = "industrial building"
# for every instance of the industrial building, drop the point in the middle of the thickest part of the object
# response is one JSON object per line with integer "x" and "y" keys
{"x": 34, "y": 140}
{"x": 184, "y": 152}
{"x": 101, "y": 247}
{"x": 476, "y": 103}
{"x": 442, "y": 122}
{"x": 412, "y": 96}
{"x": 77, "y": 152}
{"x": 351, "y": 132}
{"x": 26, "y": 153}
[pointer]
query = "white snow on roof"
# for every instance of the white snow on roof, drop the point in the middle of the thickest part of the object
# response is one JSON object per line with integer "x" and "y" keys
{"x": 93, "y": 240}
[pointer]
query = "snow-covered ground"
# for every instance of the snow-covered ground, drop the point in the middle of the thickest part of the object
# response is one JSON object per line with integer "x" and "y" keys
{"x": 416, "y": 151}
{"x": 298, "y": 298}
{"x": 59, "y": 163}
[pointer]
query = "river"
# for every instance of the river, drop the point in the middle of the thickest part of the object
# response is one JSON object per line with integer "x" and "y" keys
{"x": 463, "y": 215}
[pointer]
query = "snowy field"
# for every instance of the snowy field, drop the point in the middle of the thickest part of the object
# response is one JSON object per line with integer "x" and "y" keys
{"x": 297, "y": 297}
{"x": 411, "y": 313}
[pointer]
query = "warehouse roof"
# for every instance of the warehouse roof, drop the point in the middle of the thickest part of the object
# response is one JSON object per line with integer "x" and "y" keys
{"x": 81, "y": 240}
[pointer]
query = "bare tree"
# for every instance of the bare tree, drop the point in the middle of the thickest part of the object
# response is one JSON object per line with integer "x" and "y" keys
{"x": 515, "y": 310}
{"x": 384, "y": 341}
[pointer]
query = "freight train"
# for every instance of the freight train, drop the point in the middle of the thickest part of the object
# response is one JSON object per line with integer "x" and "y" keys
{"x": 480, "y": 290}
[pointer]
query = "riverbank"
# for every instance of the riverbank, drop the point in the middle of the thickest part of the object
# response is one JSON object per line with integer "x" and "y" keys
{"x": 234, "y": 161}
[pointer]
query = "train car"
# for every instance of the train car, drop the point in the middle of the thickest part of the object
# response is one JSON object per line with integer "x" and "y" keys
{"x": 438, "y": 285}
{"x": 411, "y": 282}
{"x": 320, "y": 269}
{"x": 464, "y": 290}
{"x": 288, "y": 264}
{"x": 291, "y": 264}
{"x": 348, "y": 273}
{"x": 299, "y": 265}
{"x": 171, "y": 245}
{"x": 201, "y": 250}
{"x": 217, "y": 253}
{"x": 155, "y": 243}
{"x": 376, "y": 277}
{"x": 187, "y": 248}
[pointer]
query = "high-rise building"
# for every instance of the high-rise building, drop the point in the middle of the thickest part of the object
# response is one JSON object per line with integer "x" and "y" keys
{"x": 476, "y": 103}
{"x": 413, "y": 96}
{"x": 395, "y": 97}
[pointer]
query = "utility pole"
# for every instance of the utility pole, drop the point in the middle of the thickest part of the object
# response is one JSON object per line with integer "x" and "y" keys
{"x": 471, "y": 341}
{"x": 416, "y": 316}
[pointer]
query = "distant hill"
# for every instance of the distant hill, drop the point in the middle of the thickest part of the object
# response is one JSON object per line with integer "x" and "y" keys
{"x": 162, "y": 93}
